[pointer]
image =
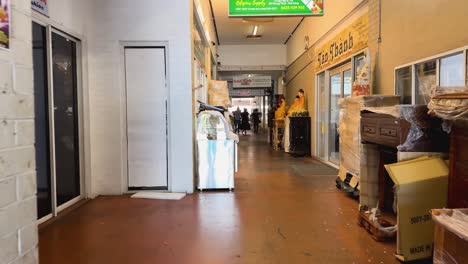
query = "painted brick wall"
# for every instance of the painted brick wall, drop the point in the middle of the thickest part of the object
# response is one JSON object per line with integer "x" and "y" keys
{"x": 373, "y": 42}
{"x": 18, "y": 229}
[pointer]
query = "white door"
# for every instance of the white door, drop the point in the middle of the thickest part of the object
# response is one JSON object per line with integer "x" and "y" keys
{"x": 145, "y": 70}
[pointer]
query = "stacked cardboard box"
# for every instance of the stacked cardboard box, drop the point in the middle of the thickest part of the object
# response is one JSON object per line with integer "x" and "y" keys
{"x": 420, "y": 185}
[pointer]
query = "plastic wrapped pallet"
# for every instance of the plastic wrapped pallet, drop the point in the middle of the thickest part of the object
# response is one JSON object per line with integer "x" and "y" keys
{"x": 350, "y": 128}
{"x": 368, "y": 179}
{"x": 356, "y": 158}
{"x": 218, "y": 93}
{"x": 449, "y": 103}
{"x": 423, "y": 128}
{"x": 451, "y": 236}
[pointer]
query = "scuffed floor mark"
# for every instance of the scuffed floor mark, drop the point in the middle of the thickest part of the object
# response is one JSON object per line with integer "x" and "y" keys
{"x": 281, "y": 234}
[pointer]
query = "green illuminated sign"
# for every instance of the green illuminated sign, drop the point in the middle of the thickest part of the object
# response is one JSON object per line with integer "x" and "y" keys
{"x": 259, "y": 8}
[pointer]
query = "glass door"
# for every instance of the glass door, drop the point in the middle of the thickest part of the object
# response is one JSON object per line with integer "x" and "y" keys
{"x": 333, "y": 139}
{"x": 340, "y": 86}
{"x": 56, "y": 120}
{"x": 41, "y": 121}
{"x": 65, "y": 118}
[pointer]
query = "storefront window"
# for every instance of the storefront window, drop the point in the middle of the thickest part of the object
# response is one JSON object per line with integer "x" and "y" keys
{"x": 335, "y": 95}
{"x": 359, "y": 62}
{"x": 347, "y": 83}
{"x": 466, "y": 69}
{"x": 403, "y": 84}
{"x": 451, "y": 71}
{"x": 445, "y": 71}
{"x": 426, "y": 79}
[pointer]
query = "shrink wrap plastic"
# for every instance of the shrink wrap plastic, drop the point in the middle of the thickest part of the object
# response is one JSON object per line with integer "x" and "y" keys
{"x": 218, "y": 93}
{"x": 214, "y": 126}
{"x": 349, "y": 127}
{"x": 451, "y": 236}
{"x": 359, "y": 159}
{"x": 452, "y": 105}
{"x": 417, "y": 116}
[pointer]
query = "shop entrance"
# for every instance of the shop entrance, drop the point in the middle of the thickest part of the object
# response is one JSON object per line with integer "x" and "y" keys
{"x": 56, "y": 123}
{"x": 331, "y": 86}
{"x": 340, "y": 86}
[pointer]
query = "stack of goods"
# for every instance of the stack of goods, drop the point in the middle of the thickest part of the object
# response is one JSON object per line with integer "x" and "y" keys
{"x": 451, "y": 236}
{"x": 449, "y": 103}
{"x": 420, "y": 185}
{"x": 359, "y": 161}
{"x": 218, "y": 93}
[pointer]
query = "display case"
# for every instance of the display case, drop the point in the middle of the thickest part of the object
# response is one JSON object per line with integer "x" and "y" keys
{"x": 216, "y": 151}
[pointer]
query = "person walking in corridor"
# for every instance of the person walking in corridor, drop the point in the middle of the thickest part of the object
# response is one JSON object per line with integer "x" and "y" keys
{"x": 256, "y": 120}
{"x": 237, "y": 119}
{"x": 245, "y": 123}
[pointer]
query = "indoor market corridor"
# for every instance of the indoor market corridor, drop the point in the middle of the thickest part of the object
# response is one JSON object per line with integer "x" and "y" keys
{"x": 280, "y": 212}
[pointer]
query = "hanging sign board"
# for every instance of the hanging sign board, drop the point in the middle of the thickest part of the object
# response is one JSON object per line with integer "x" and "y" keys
{"x": 246, "y": 92}
{"x": 349, "y": 41}
{"x": 5, "y": 24}
{"x": 245, "y": 81}
{"x": 40, "y": 6}
{"x": 271, "y": 8}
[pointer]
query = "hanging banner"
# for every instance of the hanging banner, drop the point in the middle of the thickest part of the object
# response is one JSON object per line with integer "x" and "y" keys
{"x": 246, "y": 92}
{"x": 269, "y": 8}
{"x": 347, "y": 42}
{"x": 40, "y": 6}
{"x": 253, "y": 81}
{"x": 5, "y": 24}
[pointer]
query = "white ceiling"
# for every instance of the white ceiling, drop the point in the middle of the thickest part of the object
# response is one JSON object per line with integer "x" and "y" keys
{"x": 232, "y": 31}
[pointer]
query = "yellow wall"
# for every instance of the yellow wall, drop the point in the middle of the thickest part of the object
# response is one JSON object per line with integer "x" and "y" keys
{"x": 410, "y": 30}
{"x": 306, "y": 81}
{"x": 301, "y": 73}
{"x": 316, "y": 27}
{"x": 413, "y": 30}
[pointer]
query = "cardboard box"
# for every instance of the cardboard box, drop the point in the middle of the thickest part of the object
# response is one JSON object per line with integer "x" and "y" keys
{"x": 218, "y": 93}
{"x": 420, "y": 185}
{"x": 451, "y": 236}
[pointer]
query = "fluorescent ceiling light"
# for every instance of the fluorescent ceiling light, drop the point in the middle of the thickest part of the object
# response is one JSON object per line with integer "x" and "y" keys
{"x": 255, "y": 30}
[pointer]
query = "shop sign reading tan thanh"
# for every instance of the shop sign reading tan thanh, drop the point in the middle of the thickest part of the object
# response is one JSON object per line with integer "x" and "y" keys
{"x": 347, "y": 42}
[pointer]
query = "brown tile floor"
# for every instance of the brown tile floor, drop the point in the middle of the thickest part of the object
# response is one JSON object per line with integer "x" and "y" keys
{"x": 277, "y": 214}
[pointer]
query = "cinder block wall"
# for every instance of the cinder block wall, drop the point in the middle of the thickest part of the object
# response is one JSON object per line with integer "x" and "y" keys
{"x": 18, "y": 229}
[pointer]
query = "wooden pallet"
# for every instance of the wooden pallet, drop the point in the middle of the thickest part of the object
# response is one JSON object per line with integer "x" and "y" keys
{"x": 372, "y": 228}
